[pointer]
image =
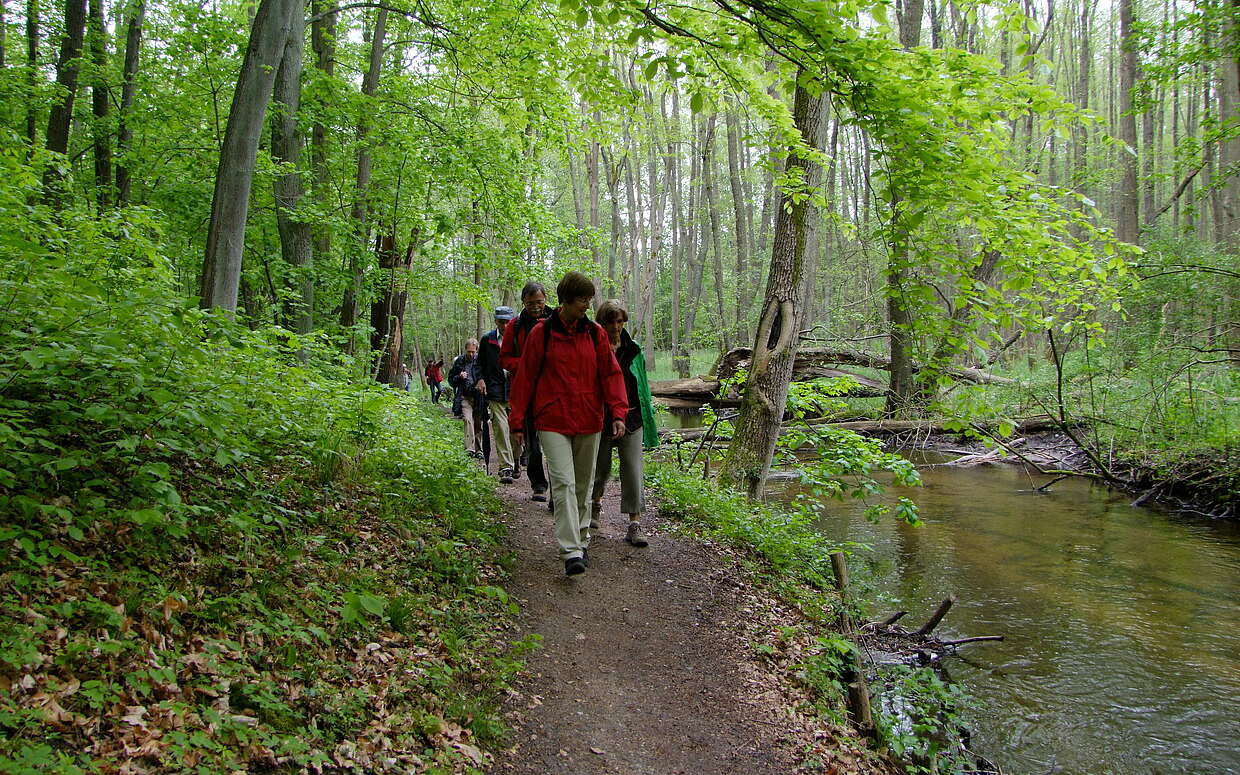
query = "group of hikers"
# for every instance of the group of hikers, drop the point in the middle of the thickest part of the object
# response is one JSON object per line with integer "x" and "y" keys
{"x": 560, "y": 393}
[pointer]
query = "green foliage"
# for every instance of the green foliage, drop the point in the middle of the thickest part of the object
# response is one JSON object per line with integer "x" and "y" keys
{"x": 919, "y": 718}
{"x": 788, "y": 542}
{"x": 213, "y": 541}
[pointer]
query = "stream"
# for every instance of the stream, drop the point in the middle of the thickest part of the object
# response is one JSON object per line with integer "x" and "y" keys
{"x": 1122, "y": 624}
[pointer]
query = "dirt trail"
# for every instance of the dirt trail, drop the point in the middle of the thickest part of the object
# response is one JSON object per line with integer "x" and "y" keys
{"x": 645, "y": 666}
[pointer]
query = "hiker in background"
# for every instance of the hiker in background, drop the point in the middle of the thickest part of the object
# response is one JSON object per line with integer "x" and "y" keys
{"x": 434, "y": 376}
{"x": 492, "y": 386}
{"x": 404, "y": 380}
{"x": 533, "y": 310}
{"x": 569, "y": 381}
{"x": 639, "y": 426}
{"x": 464, "y": 376}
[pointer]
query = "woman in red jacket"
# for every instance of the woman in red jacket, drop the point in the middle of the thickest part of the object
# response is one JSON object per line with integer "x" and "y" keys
{"x": 567, "y": 379}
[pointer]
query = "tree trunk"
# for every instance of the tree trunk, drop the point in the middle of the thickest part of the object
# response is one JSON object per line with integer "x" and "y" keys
{"x": 1227, "y": 227}
{"x": 32, "y": 72}
{"x": 1127, "y": 203}
{"x": 748, "y": 459}
{"x": 740, "y": 212}
{"x": 296, "y": 245}
{"x": 350, "y": 306}
{"x": 696, "y": 245}
{"x": 673, "y": 164}
{"x": 387, "y": 312}
{"x": 124, "y": 133}
{"x": 910, "y": 23}
{"x": 67, "y": 67}
{"x": 99, "y": 106}
{"x": 323, "y": 41}
{"x": 230, "y": 204}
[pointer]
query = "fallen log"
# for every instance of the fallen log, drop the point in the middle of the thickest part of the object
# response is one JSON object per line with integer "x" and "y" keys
{"x": 810, "y": 360}
{"x": 883, "y": 427}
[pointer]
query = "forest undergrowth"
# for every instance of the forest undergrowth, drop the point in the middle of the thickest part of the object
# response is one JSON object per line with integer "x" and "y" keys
{"x": 220, "y": 557}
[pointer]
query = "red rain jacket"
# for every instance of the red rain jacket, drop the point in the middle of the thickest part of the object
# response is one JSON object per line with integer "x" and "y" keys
{"x": 576, "y": 377}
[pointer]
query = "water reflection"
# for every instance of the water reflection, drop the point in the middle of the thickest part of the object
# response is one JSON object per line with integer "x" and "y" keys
{"x": 1122, "y": 624}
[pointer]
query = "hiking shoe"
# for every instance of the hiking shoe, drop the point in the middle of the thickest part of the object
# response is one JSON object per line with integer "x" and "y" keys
{"x": 634, "y": 535}
{"x": 596, "y": 509}
{"x": 574, "y": 566}
{"x": 585, "y": 557}
{"x": 539, "y": 496}
{"x": 505, "y": 476}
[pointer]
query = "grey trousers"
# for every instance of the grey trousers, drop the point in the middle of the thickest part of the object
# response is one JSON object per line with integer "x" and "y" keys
{"x": 632, "y": 471}
{"x": 570, "y": 468}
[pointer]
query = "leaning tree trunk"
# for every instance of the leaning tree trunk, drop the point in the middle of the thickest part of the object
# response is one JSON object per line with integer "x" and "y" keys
{"x": 748, "y": 459}
{"x": 32, "y": 72}
{"x": 230, "y": 205}
{"x": 296, "y": 245}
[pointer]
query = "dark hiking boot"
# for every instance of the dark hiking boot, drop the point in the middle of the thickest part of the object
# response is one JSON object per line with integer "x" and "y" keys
{"x": 573, "y": 566}
{"x": 505, "y": 476}
{"x": 539, "y": 496}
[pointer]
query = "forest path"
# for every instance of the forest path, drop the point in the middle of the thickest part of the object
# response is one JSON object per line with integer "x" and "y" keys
{"x": 645, "y": 666}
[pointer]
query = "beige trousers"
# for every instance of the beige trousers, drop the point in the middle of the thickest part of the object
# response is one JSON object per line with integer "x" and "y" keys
{"x": 570, "y": 471}
{"x": 501, "y": 441}
{"x": 473, "y": 440}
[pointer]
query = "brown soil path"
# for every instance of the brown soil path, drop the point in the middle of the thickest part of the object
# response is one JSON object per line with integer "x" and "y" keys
{"x": 645, "y": 666}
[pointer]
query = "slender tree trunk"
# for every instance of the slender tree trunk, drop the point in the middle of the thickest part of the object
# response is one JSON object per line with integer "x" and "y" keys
{"x": 698, "y": 244}
{"x": 716, "y": 239}
{"x": 741, "y": 215}
{"x": 32, "y": 72}
{"x": 350, "y": 307}
{"x": 1081, "y": 97}
{"x": 748, "y": 459}
{"x": 124, "y": 133}
{"x": 99, "y": 106}
{"x": 296, "y": 244}
{"x": 1227, "y": 227}
{"x": 230, "y": 204}
{"x": 1128, "y": 201}
{"x": 678, "y": 246}
{"x": 67, "y": 68}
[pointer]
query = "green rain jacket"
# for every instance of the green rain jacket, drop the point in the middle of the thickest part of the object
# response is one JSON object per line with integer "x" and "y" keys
{"x": 637, "y": 367}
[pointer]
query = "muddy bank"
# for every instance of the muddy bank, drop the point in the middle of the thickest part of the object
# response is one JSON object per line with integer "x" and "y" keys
{"x": 1202, "y": 486}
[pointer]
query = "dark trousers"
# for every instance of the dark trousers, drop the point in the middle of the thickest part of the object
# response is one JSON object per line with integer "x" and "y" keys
{"x": 533, "y": 458}
{"x": 456, "y": 401}
{"x": 434, "y": 392}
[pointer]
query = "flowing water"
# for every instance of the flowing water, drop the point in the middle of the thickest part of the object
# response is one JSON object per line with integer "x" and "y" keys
{"x": 1122, "y": 624}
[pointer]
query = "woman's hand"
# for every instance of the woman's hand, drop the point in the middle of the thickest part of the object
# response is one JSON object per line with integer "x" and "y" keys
{"x": 617, "y": 428}
{"x": 518, "y": 438}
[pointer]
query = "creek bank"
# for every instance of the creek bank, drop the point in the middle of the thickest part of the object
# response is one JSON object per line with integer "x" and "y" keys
{"x": 1201, "y": 485}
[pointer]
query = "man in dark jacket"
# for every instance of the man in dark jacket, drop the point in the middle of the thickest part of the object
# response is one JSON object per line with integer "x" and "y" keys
{"x": 464, "y": 376}
{"x": 493, "y": 385}
{"x": 533, "y": 310}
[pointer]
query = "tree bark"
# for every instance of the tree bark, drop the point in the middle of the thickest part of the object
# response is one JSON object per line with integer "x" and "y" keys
{"x": 350, "y": 306}
{"x": 296, "y": 244}
{"x": 740, "y": 212}
{"x": 1128, "y": 202}
{"x": 230, "y": 204}
{"x": 32, "y": 71}
{"x": 1227, "y": 226}
{"x": 68, "y": 65}
{"x": 99, "y": 106}
{"x": 323, "y": 30}
{"x": 748, "y": 458}
{"x": 124, "y": 133}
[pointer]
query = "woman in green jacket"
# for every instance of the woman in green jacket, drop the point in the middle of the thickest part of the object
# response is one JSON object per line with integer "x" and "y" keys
{"x": 639, "y": 425}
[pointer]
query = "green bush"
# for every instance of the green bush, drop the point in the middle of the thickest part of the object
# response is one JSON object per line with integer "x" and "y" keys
{"x": 224, "y": 553}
